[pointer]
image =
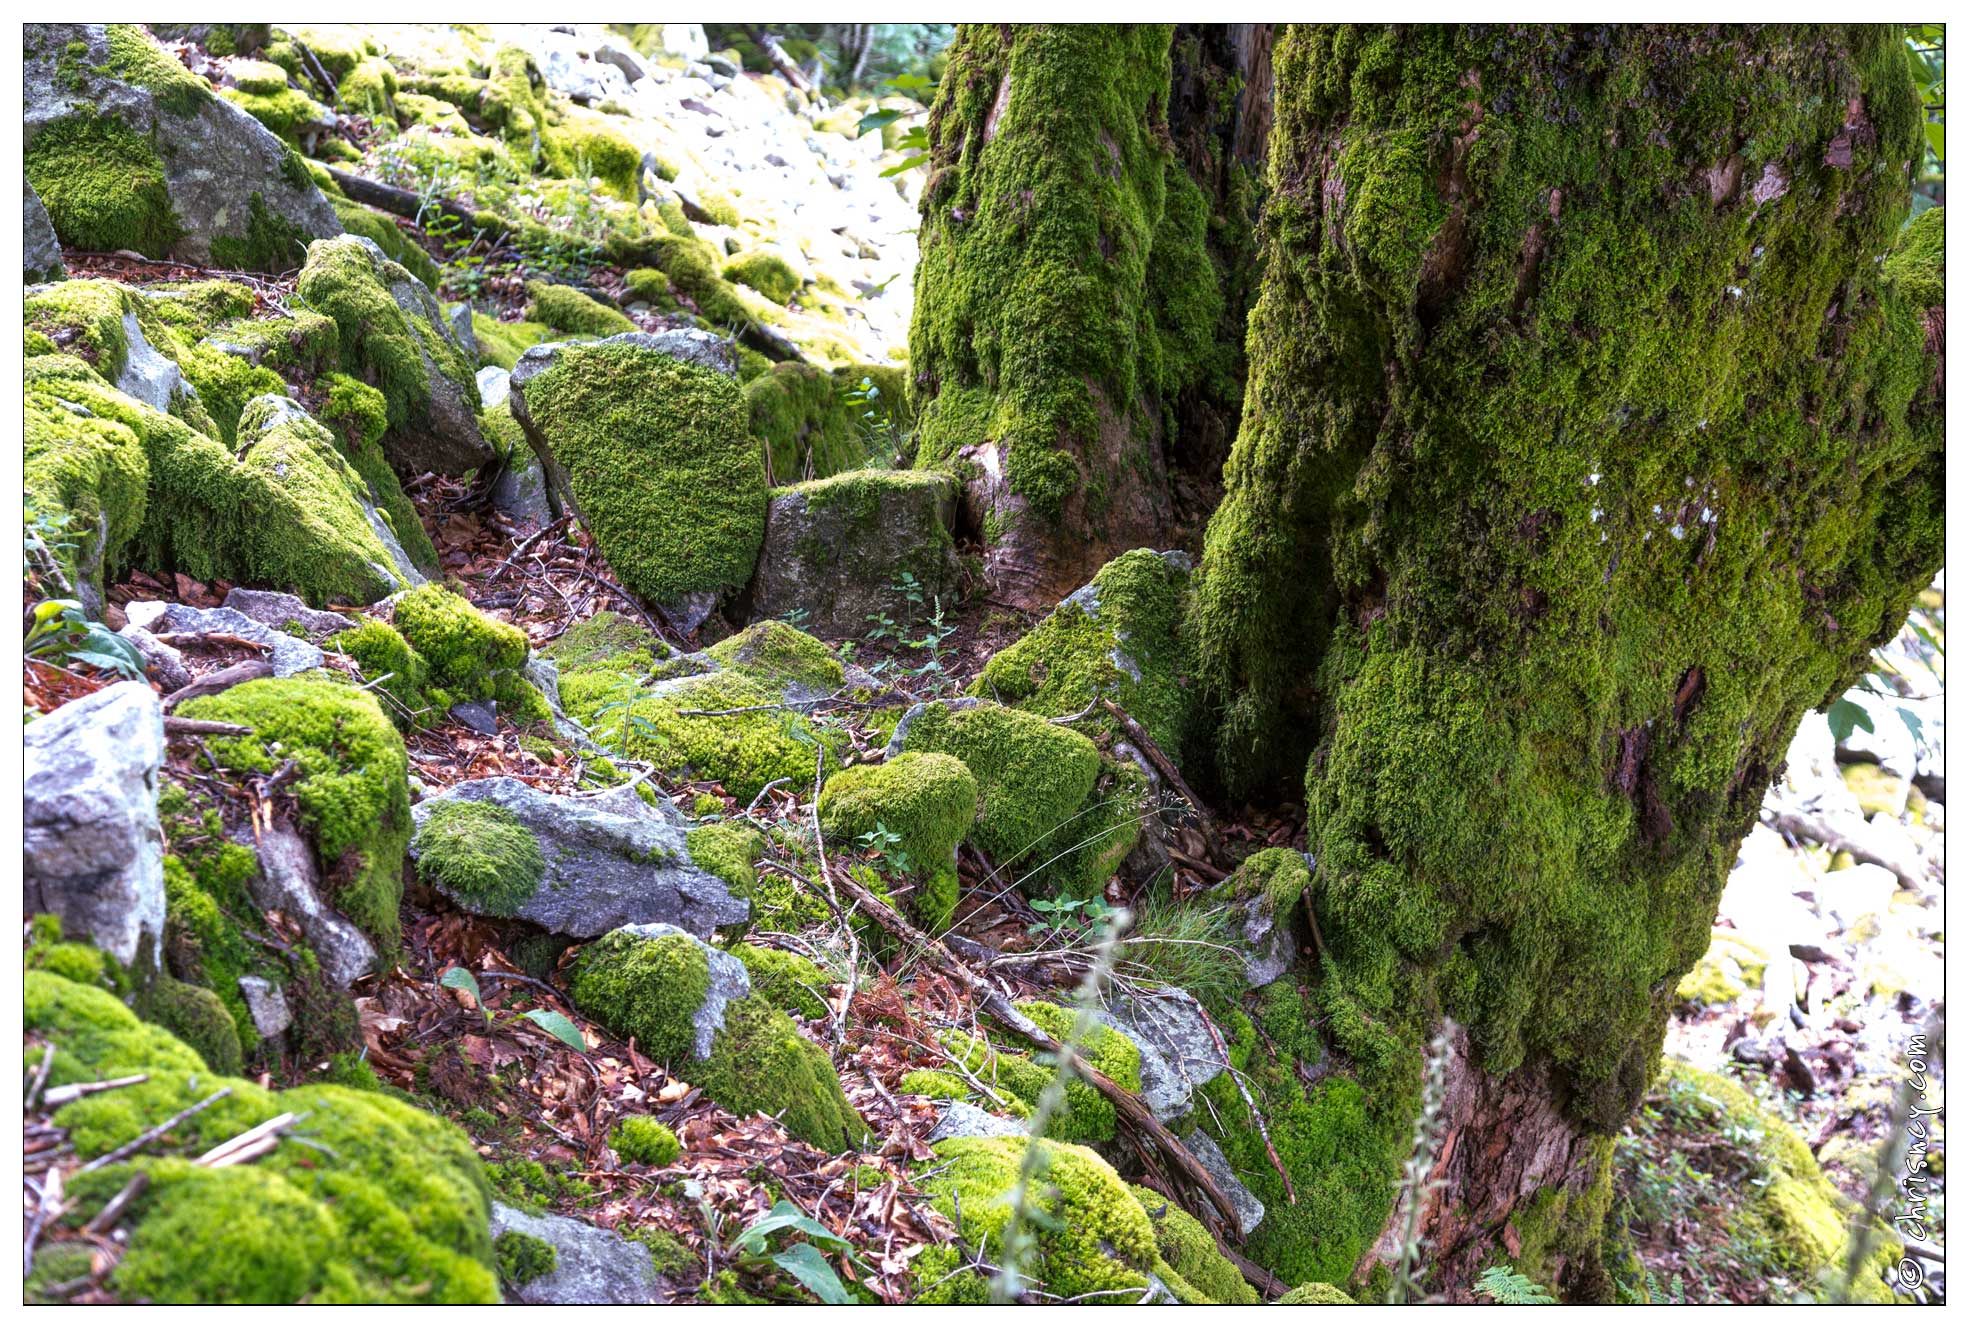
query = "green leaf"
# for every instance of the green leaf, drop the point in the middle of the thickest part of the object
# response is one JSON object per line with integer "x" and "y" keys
{"x": 904, "y": 165}
{"x": 560, "y": 1027}
{"x": 782, "y": 1216}
{"x": 877, "y": 120}
{"x": 462, "y": 980}
{"x": 810, "y": 1269}
{"x": 1911, "y": 720}
{"x": 1935, "y": 140}
{"x": 1845, "y": 716}
{"x": 910, "y": 84}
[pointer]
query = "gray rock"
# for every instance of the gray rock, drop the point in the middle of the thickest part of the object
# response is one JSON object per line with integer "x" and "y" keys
{"x": 463, "y": 334}
{"x": 592, "y": 1266}
{"x": 722, "y": 66}
{"x": 493, "y": 382}
{"x": 730, "y": 982}
{"x": 447, "y": 439}
{"x": 267, "y": 1004}
{"x": 688, "y": 613}
{"x": 968, "y": 1121}
{"x": 165, "y": 664}
{"x": 1250, "y": 1209}
{"x": 225, "y": 173}
{"x": 289, "y": 882}
{"x": 477, "y": 716}
{"x": 686, "y": 40}
{"x": 837, "y": 548}
{"x": 610, "y": 51}
{"x": 148, "y": 376}
{"x": 41, "y": 256}
{"x": 289, "y": 655}
{"x": 277, "y": 609}
{"x": 1178, "y": 1053}
{"x": 612, "y": 860}
{"x": 94, "y": 850}
{"x": 901, "y": 733}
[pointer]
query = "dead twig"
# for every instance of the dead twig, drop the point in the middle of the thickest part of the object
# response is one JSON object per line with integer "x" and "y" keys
{"x": 105, "y": 1218}
{"x": 68, "y": 1093}
{"x": 157, "y": 1132}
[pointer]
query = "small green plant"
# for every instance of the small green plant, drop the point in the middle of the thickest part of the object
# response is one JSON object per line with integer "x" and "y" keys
{"x": 786, "y": 1241}
{"x": 58, "y": 631}
{"x": 1087, "y": 913}
{"x": 1507, "y": 1287}
{"x": 886, "y": 845}
{"x": 460, "y": 979}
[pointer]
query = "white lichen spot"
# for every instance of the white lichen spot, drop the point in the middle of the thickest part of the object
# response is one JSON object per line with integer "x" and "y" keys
{"x": 1676, "y": 530}
{"x": 1594, "y": 515}
{"x": 1736, "y": 292}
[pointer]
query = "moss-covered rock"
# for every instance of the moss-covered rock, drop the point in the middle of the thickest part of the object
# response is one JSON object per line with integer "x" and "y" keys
{"x": 198, "y": 1018}
{"x": 762, "y": 1063}
{"x": 814, "y": 423}
{"x": 502, "y": 344}
{"x": 927, "y": 801}
{"x": 1034, "y": 780}
{"x": 1315, "y": 1294}
{"x": 483, "y": 855}
{"x": 389, "y": 237}
{"x": 1192, "y": 1266}
{"x": 522, "y": 1258}
{"x": 393, "y": 335}
{"x": 653, "y": 450}
{"x": 391, "y": 1206}
{"x": 352, "y": 789}
{"x": 859, "y": 548}
{"x": 765, "y": 272}
{"x": 1085, "y": 1115}
{"x": 1091, "y": 1235}
{"x": 652, "y": 987}
{"x": 790, "y": 982}
{"x": 262, "y": 91}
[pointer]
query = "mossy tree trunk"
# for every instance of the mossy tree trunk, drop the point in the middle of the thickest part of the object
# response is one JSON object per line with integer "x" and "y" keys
{"x": 1587, "y": 443}
{"x": 1067, "y": 299}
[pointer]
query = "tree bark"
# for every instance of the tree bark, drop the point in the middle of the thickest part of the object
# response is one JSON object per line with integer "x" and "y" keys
{"x": 1586, "y": 444}
{"x": 1067, "y": 300}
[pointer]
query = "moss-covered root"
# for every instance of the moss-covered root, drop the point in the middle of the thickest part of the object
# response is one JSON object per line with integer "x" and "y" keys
{"x": 1094, "y": 1237}
{"x": 655, "y": 453}
{"x": 914, "y": 809}
{"x": 1043, "y": 342}
{"x": 353, "y": 787}
{"x": 387, "y": 1204}
{"x": 1587, "y": 444}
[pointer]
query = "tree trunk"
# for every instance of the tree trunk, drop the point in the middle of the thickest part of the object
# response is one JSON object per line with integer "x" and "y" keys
{"x": 1586, "y": 445}
{"x": 1066, "y": 298}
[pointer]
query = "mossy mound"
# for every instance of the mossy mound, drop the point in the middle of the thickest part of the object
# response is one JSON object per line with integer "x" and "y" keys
{"x": 353, "y": 788}
{"x": 392, "y": 1206}
{"x": 1121, "y": 638}
{"x": 487, "y": 860}
{"x": 761, "y": 1063}
{"x": 389, "y": 237}
{"x": 197, "y": 1017}
{"x": 790, "y": 982}
{"x": 1093, "y": 1237}
{"x": 1034, "y": 780}
{"x": 1315, "y": 1294}
{"x": 1192, "y": 1266}
{"x": 567, "y": 310}
{"x": 807, "y": 422}
{"x": 522, "y": 1259}
{"x": 606, "y": 640}
{"x": 765, "y": 272}
{"x": 927, "y": 799}
{"x": 657, "y": 458}
{"x": 644, "y": 1140}
{"x": 103, "y": 185}
{"x": 646, "y": 988}
{"x": 775, "y": 653}
{"x": 440, "y": 651}
{"x": 503, "y": 344}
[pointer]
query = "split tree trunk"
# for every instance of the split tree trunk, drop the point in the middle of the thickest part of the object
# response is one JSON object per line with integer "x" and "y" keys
{"x": 1587, "y": 443}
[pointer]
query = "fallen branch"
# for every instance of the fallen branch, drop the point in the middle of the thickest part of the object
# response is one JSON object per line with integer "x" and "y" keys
{"x": 123, "y": 1151}
{"x": 212, "y": 639}
{"x": 1244, "y": 1092}
{"x": 1128, "y": 1106}
{"x": 220, "y": 680}
{"x": 40, "y": 1077}
{"x": 1160, "y": 760}
{"x": 178, "y": 726}
{"x": 404, "y": 203}
{"x": 106, "y": 1218}
{"x": 248, "y": 1145}
{"x": 1843, "y": 837}
{"x": 68, "y": 1093}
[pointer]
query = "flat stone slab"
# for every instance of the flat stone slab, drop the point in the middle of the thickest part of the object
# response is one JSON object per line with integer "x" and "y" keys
{"x": 593, "y": 1266}
{"x": 287, "y": 654}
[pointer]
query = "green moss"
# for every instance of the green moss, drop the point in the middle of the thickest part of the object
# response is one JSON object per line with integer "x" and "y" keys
{"x": 1127, "y": 646}
{"x": 135, "y": 58}
{"x": 567, "y": 310}
{"x": 262, "y": 91}
{"x": 352, "y": 791}
{"x": 394, "y": 351}
{"x": 226, "y": 383}
{"x": 56, "y": 1263}
{"x": 391, "y": 1206}
{"x": 527, "y": 1185}
{"x": 502, "y": 344}
{"x": 693, "y": 268}
{"x": 368, "y": 88}
{"x": 1033, "y": 777}
{"x": 672, "y": 1259}
{"x": 743, "y": 751}
{"x": 809, "y": 427}
{"x": 482, "y": 854}
{"x": 103, "y": 186}
{"x": 761, "y": 1063}
{"x": 591, "y": 148}
{"x": 522, "y": 1258}
{"x": 929, "y": 800}
{"x": 271, "y": 243}
{"x": 934, "y": 1084}
{"x": 1916, "y": 266}
{"x": 389, "y": 237}
{"x": 1085, "y": 1114}
{"x": 1093, "y": 1236}
{"x": 285, "y": 514}
{"x": 775, "y": 653}
{"x": 357, "y": 415}
{"x": 1804, "y": 1217}
{"x": 645, "y": 988}
{"x": 1196, "y": 1270}
{"x": 606, "y": 640}
{"x": 790, "y": 982}
{"x": 658, "y": 459}
{"x": 1315, "y": 1294}
{"x": 644, "y": 1140}
{"x": 199, "y": 1018}
{"x": 465, "y": 648}
{"x": 765, "y": 272}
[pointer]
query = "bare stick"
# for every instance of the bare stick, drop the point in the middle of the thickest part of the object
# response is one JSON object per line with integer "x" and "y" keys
{"x": 178, "y": 726}
{"x": 122, "y": 1200}
{"x": 123, "y": 1151}
{"x": 840, "y": 1021}
{"x": 1244, "y": 1092}
{"x": 68, "y": 1093}
{"x": 40, "y": 1076}
{"x": 267, "y": 1129}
